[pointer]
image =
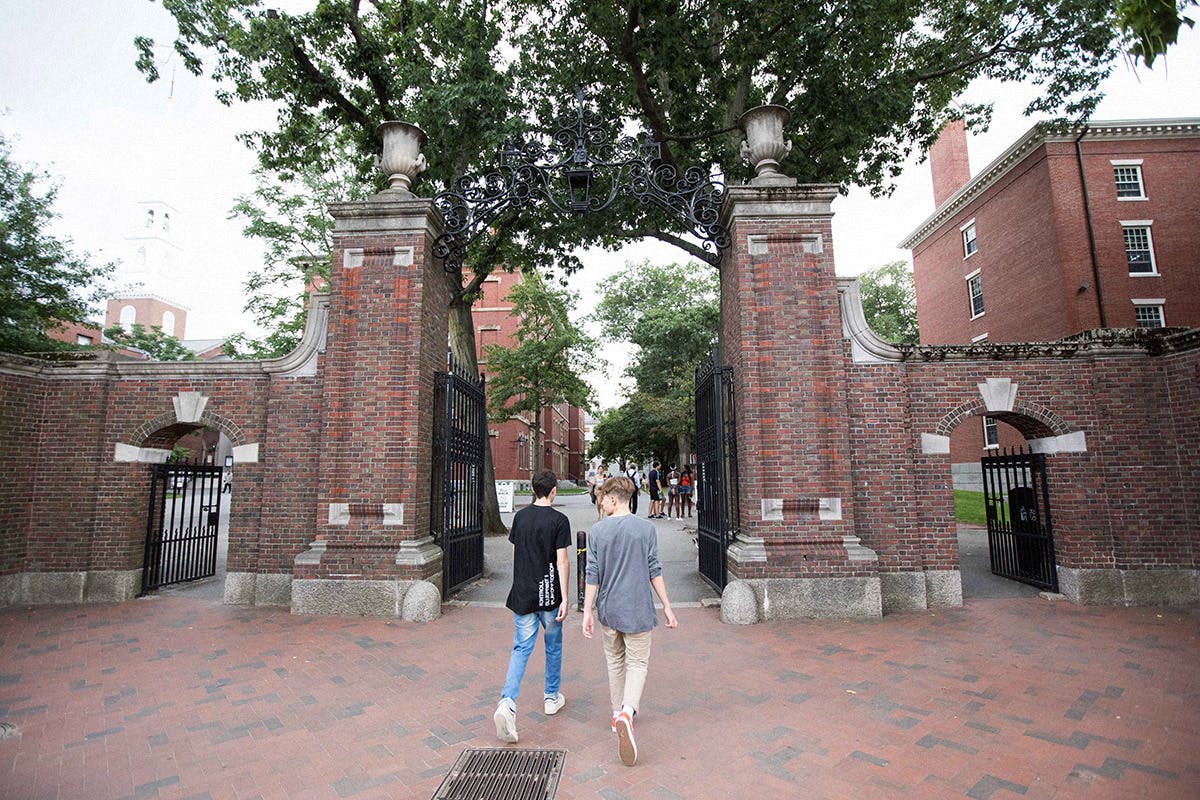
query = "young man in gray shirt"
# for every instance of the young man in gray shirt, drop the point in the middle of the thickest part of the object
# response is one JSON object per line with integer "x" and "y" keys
{"x": 622, "y": 569}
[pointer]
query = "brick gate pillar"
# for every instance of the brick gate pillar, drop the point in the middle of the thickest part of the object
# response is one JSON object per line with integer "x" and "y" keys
{"x": 387, "y": 335}
{"x": 782, "y": 334}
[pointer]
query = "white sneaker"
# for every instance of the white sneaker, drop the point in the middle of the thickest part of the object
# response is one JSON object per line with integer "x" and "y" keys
{"x": 554, "y": 704}
{"x": 506, "y": 723}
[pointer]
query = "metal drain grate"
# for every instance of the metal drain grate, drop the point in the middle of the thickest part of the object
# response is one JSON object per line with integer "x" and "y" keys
{"x": 500, "y": 773}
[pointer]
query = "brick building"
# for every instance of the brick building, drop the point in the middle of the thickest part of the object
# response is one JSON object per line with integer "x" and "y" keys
{"x": 1093, "y": 227}
{"x": 563, "y": 447}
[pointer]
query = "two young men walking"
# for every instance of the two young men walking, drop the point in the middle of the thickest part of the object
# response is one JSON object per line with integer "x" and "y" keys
{"x": 623, "y": 569}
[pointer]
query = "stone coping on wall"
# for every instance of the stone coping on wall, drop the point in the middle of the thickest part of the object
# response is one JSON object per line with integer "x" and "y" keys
{"x": 867, "y": 346}
{"x": 105, "y": 364}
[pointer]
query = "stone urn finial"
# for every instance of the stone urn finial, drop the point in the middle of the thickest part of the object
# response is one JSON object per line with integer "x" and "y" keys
{"x": 402, "y": 159}
{"x": 765, "y": 146}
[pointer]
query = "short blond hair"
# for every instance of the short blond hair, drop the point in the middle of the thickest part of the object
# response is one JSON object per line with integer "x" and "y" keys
{"x": 620, "y": 487}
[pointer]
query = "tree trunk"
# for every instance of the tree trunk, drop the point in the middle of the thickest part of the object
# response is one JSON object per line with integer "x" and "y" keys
{"x": 681, "y": 441}
{"x": 462, "y": 345}
{"x": 535, "y": 442}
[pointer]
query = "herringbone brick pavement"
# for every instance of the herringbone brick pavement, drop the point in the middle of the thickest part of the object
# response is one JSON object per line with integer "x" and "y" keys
{"x": 178, "y": 696}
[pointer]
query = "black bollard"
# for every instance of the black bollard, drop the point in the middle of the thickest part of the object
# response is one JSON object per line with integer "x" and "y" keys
{"x": 581, "y": 561}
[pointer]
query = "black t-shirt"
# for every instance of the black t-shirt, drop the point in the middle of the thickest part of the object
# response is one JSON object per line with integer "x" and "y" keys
{"x": 538, "y": 533}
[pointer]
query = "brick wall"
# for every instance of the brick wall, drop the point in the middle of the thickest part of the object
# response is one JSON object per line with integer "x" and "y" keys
{"x": 815, "y": 420}
{"x": 1128, "y": 502}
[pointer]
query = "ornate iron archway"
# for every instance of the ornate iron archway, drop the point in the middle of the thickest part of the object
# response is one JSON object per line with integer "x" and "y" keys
{"x": 580, "y": 168}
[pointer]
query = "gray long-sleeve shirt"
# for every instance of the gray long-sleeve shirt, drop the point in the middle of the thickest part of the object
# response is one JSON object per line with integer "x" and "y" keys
{"x": 622, "y": 559}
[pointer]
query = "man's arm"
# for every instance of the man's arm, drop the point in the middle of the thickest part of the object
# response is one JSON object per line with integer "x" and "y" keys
{"x": 564, "y": 580}
{"x": 589, "y": 600}
{"x": 660, "y": 589}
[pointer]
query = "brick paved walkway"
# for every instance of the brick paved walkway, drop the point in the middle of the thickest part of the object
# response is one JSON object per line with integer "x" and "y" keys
{"x": 176, "y": 696}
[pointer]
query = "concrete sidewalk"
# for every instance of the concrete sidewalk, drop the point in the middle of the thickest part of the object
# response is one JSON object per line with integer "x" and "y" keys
{"x": 177, "y": 696}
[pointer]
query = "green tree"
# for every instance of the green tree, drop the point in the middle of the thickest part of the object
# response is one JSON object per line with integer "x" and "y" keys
{"x": 621, "y": 434}
{"x": 158, "y": 345}
{"x": 340, "y": 70}
{"x": 890, "y": 302}
{"x": 288, "y": 212}
{"x": 670, "y": 313}
{"x": 1151, "y": 26}
{"x": 42, "y": 282}
{"x": 866, "y": 83}
{"x": 545, "y": 365}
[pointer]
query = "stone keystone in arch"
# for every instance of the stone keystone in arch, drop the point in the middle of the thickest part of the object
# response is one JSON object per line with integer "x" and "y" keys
{"x": 189, "y": 406}
{"x": 999, "y": 394}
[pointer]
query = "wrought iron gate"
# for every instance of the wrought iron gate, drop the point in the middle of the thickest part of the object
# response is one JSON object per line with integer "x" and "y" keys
{"x": 1020, "y": 535}
{"x": 456, "y": 502}
{"x": 182, "y": 522}
{"x": 716, "y": 456}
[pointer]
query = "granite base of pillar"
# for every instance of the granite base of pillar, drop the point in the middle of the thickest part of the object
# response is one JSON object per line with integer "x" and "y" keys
{"x": 318, "y": 588}
{"x": 59, "y": 588}
{"x": 813, "y": 598}
{"x": 258, "y": 589}
{"x": 917, "y": 591}
{"x": 1130, "y": 587}
{"x": 366, "y": 598}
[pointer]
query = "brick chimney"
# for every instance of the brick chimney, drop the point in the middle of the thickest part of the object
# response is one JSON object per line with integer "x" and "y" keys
{"x": 948, "y": 162}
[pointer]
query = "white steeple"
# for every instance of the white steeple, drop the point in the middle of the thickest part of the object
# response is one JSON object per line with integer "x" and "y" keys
{"x": 154, "y": 264}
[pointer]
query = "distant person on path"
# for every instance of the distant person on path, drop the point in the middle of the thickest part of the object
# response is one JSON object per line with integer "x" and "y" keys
{"x": 541, "y": 539}
{"x": 593, "y": 477}
{"x": 631, "y": 472}
{"x": 622, "y": 569}
{"x": 674, "y": 504}
{"x": 654, "y": 487}
{"x": 685, "y": 491}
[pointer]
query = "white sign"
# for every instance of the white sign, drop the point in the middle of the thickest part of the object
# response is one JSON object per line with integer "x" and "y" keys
{"x": 504, "y": 494}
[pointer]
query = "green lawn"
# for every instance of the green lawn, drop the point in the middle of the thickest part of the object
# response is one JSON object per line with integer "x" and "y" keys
{"x": 563, "y": 492}
{"x": 968, "y": 507}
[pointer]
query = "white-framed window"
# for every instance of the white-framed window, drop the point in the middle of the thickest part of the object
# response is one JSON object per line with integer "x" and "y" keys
{"x": 975, "y": 294}
{"x": 82, "y": 338}
{"x": 128, "y": 316}
{"x": 1148, "y": 313}
{"x": 991, "y": 433}
{"x": 969, "y": 240}
{"x": 168, "y": 326}
{"x": 1139, "y": 247}
{"x": 983, "y": 337}
{"x": 1127, "y": 174}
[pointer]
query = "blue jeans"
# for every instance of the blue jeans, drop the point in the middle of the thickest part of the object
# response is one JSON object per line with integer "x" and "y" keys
{"x": 525, "y": 630}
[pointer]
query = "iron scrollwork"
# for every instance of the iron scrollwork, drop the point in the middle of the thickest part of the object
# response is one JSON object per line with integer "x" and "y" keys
{"x": 580, "y": 169}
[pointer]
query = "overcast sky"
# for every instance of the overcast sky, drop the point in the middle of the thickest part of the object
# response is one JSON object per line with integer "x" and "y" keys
{"x": 77, "y": 107}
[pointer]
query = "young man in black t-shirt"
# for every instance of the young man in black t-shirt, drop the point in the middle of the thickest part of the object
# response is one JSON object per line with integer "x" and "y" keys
{"x": 541, "y": 538}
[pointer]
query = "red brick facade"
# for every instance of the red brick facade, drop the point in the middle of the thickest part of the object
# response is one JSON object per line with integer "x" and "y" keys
{"x": 562, "y": 425}
{"x": 1031, "y": 224}
{"x": 332, "y": 444}
{"x": 1034, "y": 234}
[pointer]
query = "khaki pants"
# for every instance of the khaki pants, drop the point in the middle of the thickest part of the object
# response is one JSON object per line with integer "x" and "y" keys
{"x": 628, "y": 655}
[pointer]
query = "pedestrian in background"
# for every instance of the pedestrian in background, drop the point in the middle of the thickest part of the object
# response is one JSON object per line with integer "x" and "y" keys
{"x": 685, "y": 491}
{"x": 631, "y": 472}
{"x": 623, "y": 569}
{"x": 541, "y": 538}
{"x": 654, "y": 487}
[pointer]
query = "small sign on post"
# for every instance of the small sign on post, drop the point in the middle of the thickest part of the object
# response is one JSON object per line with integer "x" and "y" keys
{"x": 504, "y": 496}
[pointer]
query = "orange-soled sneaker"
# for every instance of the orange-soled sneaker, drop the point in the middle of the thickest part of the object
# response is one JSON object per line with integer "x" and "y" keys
{"x": 626, "y": 744}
